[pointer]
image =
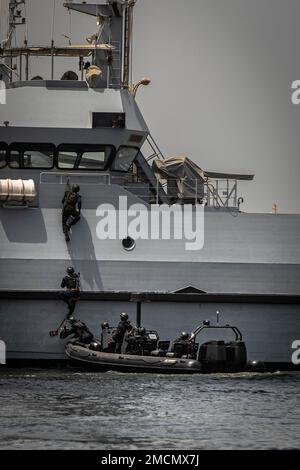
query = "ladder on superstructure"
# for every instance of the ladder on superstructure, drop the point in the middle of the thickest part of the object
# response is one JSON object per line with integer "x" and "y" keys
{"x": 156, "y": 151}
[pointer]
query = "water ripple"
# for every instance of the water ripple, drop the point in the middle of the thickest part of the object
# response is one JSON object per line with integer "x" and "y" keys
{"x": 62, "y": 409}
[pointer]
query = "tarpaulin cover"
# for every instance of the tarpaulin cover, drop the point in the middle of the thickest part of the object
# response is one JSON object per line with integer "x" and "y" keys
{"x": 184, "y": 178}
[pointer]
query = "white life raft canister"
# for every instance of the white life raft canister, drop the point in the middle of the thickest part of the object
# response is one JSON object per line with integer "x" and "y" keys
{"x": 17, "y": 190}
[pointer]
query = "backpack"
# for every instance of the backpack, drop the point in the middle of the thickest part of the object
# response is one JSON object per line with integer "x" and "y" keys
{"x": 73, "y": 281}
{"x": 71, "y": 199}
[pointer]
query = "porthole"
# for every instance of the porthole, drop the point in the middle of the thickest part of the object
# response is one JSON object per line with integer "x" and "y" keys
{"x": 128, "y": 244}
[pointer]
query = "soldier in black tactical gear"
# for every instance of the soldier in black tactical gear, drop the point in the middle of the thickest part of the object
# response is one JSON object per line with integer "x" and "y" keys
{"x": 71, "y": 284}
{"x": 136, "y": 341}
{"x": 182, "y": 345}
{"x": 123, "y": 327}
{"x": 79, "y": 330}
{"x": 71, "y": 209}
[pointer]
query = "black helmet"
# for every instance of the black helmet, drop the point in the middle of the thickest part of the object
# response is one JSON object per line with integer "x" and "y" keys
{"x": 141, "y": 331}
{"x": 72, "y": 319}
{"x": 75, "y": 188}
{"x": 124, "y": 316}
{"x": 104, "y": 325}
{"x": 184, "y": 335}
{"x": 70, "y": 270}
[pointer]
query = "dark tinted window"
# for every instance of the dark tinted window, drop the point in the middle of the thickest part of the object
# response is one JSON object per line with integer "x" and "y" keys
{"x": 66, "y": 160}
{"x": 2, "y": 155}
{"x": 125, "y": 156}
{"x": 93, "y": 160}
{"x": 15, "y": 159}
{"x": 31, "y": 156}
{"x": 109, "y": 120}
{"x": 84, "y": 157}
{"x": 38, "y": 159}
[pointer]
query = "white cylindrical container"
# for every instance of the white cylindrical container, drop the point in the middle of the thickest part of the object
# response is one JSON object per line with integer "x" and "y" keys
{"x": 17, "y": 190}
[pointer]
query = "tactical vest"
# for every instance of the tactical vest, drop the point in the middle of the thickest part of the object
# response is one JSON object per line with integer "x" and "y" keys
{"x": 73, "y": 282}
{"x": 72, "y": 199}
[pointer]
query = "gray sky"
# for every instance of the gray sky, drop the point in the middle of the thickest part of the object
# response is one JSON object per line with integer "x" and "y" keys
{"x": 221, "y": 75}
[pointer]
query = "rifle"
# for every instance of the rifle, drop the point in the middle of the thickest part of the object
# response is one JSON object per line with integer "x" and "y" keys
{"x": 78, "y": 275}
{"x": 68, "y": 186}
{"x": 68, "y": 189}
{"x": 54, "y": 333}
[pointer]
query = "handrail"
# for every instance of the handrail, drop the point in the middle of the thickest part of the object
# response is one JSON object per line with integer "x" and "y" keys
{"x": 237, "y": 332}
{"x": 221, "y": 194}
{"x": 66, "y": 175}
{"x": 157, "y": 153}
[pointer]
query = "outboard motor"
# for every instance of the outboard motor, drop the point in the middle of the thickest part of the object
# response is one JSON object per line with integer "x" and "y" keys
{"x": 236, "y": 356}
{"x": 212, "y": 356}
{"x": 218, "y": 356}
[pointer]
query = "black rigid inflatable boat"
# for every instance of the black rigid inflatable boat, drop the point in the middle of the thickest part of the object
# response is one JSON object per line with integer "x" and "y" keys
{"x": 103, "y": 361}
{"x": 211, "y": 356}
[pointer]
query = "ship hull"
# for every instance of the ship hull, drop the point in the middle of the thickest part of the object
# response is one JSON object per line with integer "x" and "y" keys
{"x": 251, "y": 260}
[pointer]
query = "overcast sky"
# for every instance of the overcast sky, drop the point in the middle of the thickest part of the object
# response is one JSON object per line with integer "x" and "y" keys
{"x": 221, "y": 75}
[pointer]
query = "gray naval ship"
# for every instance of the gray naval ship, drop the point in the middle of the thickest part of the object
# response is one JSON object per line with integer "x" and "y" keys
{"x": 87, "y": 129}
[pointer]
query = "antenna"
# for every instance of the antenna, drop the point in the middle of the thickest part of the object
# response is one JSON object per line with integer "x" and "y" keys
{"x": 16, "y": 17}
{"x": 128, "y": 39}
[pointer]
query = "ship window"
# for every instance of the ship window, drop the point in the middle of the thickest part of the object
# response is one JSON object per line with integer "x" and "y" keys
{"x": 2, "y": 156}
{"x": 108, "y": 120}
{"x": 40, "y": 156}
{"x": 124, "y": 158}
{"x": 92, "y": 160}
{"x": 37, "y": 159}
{"x": 84, "y": 157}
{"x": 14, "y": 159}
{"x": 67, "y": 159}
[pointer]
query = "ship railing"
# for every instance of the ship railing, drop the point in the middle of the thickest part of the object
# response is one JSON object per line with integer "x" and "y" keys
{"x": 212, "y": 193}
{"x": 153, "y": 151}
{"x": 222, "y": 193}
{"x": 51, "y": 177}
{"x": 146, "y": 192}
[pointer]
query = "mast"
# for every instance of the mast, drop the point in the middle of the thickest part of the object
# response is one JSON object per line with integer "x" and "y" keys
{"x": 110, "y": 48}
{"x": 116, "y": 18}
{"x": 128, "y": 42}
{"x": 16, "y": 18}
